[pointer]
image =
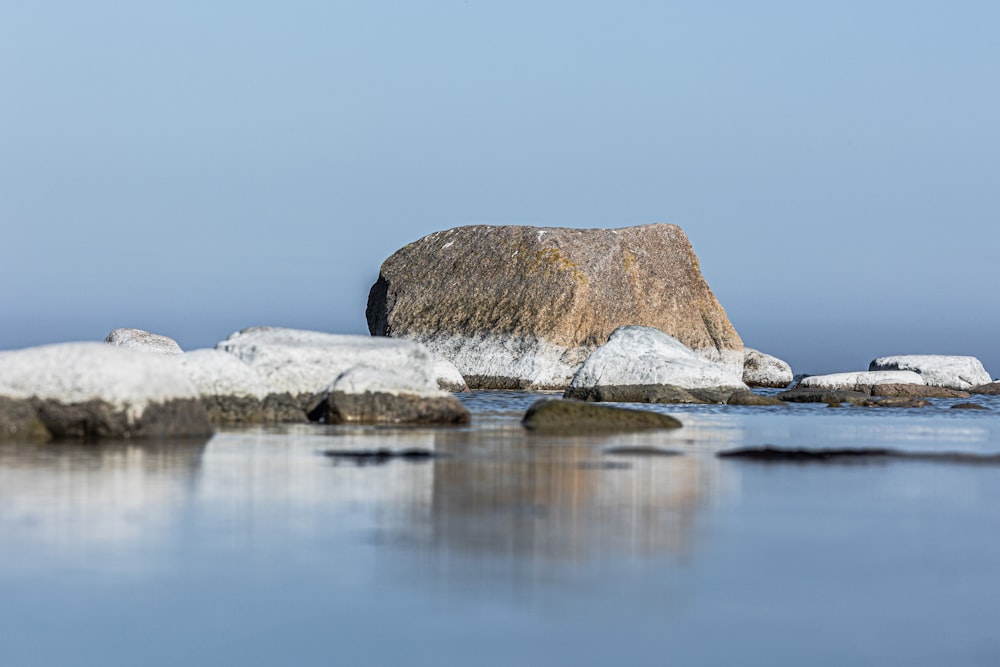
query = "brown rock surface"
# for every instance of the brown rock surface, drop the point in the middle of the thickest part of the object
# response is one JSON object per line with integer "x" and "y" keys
{"x": 524, "y": 306}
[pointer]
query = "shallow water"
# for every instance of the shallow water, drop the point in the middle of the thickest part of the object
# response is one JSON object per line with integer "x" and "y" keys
{"x": 507, "y": 547}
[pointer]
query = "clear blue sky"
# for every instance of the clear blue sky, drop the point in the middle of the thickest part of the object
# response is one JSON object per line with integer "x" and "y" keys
{"x": 193, "y": 168}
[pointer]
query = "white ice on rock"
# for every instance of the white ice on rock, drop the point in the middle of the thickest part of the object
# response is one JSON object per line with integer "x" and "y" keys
{"x": 938, "y": 370}
{"x": 137, "y": 339}
{"x": 859, "y": 379}
{"x": 215, "y": 373}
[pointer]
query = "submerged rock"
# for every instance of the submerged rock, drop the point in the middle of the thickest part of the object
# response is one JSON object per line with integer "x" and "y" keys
{"x": 937, "y": 370}
{"x": 574, "y": 417}
{"x": 969, "y": 406}
{"x": 859, "y": 381}
{"x": 642, "y": 364}
{"x": 747, "y": 397}
{"x": 93, "y": 390}
{"x": 822, "y": 395}
{"x": 137, "y": 339}
{"x": 763, "y": 370}
{"x": 522, "y": 307}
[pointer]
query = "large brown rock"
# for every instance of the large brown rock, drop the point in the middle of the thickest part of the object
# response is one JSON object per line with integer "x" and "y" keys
{"x": 520, "y": 307}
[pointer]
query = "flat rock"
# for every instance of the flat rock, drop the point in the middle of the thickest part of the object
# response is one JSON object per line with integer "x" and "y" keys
{"x": 992, "y": 389}
{"x": 94, "y": 390}
{"x": 517, "y": 307}
{"x": 137, "y": 339}
{"x": 916, "y": 390}
{"x": 859, "y": 381}
{"x": 763, "y": 370}
{"x": 937, "y": 370}
{"x": 821, "y": 395}
{"x": 969, "y": 406}
{"x": 574, "y": 417}
{"x": 644, "y": 357}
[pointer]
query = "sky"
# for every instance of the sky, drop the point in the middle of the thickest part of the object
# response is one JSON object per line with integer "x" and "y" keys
{"x": 194, "y": 168}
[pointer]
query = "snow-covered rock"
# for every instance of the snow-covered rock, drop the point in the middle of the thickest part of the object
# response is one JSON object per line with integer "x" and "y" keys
{"x": 937, "y": 370}
{"x": 637, "y": 360}
{"x": 447, "y": 376}
{"x": 99, "y": 390}
{"x": 763, "y": 370}
{"x": 137, "y": 339}
{"x": 379, "y": 395}
{"x": 862, "y": 381}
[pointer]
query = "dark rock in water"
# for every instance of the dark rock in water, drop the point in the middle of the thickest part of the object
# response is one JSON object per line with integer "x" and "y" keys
{"x": 627, "y": 450}
{"x": 375, "y": 407}
{"x": 969, "y": 406}
{"x": 523, "y": 307}
{"x": 380, "y": 455}
{"x": 802, "y": 395}
{"x": 773, "y": 454}
{"x": 574, "y": 417}
{"x": 750, "y": 398}
{"x": 917, "y": 390}
{"x": 897, "y": 402}
{"x": 637, "y": 393}
{"x": 19, "y": 421}
{"x": 992, "y": 389}
{"x": 272, "y": 409}
{"x": 177, "y": 418}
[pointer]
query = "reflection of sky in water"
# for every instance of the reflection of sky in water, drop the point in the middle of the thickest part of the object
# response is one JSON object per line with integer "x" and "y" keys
{"x": 508, "y": 548}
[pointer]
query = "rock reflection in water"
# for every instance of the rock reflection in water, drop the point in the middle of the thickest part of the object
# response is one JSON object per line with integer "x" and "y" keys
{"x": 78, "y": 500}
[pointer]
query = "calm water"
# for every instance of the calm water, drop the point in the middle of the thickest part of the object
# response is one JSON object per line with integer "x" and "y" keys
{"x": 509, "y": 549}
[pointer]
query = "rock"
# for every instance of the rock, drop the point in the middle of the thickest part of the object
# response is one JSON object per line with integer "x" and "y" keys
{"x": 641, "y": 393}
{"x": 232, "y": 392}
{"x": 19, "y": 421}
{"x": 522, "y": 307}
{"x": 747, "y": 397}
{"x": 859, "y": 381}
{"x": 897, "y": 402}
{"x": 447, "y": 376}
{"x": 574, "y": 417}
{"x": 821, "y": 395}
{"x": 763, "y": 370}
{"x": 916, "y": 390}
{"x": 937, "y": 370}
{"x": 992, "y": 389}
{"x": 137, "y": 339}
{"x": 375, "y": 395}
{"x": 637, "y": 359}
{"x": 969, "y": 406}
{"x": 93, "y": 390}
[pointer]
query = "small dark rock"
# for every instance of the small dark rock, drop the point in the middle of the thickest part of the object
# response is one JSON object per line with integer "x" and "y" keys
{"x": 574, "y": 417}
{"x": 829, "y": 396}
{"x": 774, "y": 454}
{"x": 380, "y": 455}
{"x": 744, "y": 397}
{"x": 969, "y": 406}
{"x": 992, "y": 389}
{"x": 627, "y": 450}
{"x": 897, "y": 402}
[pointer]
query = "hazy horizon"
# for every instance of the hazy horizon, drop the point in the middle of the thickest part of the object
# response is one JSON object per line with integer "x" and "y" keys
{"x": 193, "y": 170}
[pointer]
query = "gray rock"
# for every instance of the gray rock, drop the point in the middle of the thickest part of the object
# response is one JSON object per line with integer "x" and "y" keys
{"x": 643, "y": 363}
{"x": 137, "y": 339}
{"x": 746, "y": 397}
{"x": 992, "y": 389}
{"x": 574, "y": 417}
{"x": 917, "y": 391}
{"x": 93, "y": 390}
{"x": 763, "y": 370}
{"x": 937, "y": 370}
{"x": 523, "y": 307}
{"x": 859, "y": 381}
{"x": 969, "y": 406}
{"x": 820, "y": 395}
{"x": 19, "y": 421}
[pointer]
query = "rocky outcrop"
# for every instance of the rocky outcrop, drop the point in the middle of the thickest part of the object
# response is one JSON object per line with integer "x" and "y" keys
{"x": 642, "y": 364}
{"x": 340, "y": 378}
{"x": 523, "y": 307}
{"x": 576, "y": 417}
{"x": 93, "y": 390}
{"x": 937, "y": 370}
{"x": 861, "y": 381}
{"x": 137, "y": 339}
{"x": 763, "y": 370}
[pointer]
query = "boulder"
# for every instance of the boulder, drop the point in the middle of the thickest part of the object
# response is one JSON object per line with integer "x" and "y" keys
{"x": 518, "y": 307}
{"x": 747, "y": 397}
{"x": 232, "y": 392}
{"x": 341, "y": 378}
{"x": 637, "y": 362}
{"x": 137, "y": 339}
{"x": 574, "y": 417}
{"x": 93, "y": 390}
{"x": 763, "y": 370}
{"x": 993, "y": 388}
{"x": 861, "y": 381}
{"x": 937, "y": 370}
{"x": 447, "y": 376}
